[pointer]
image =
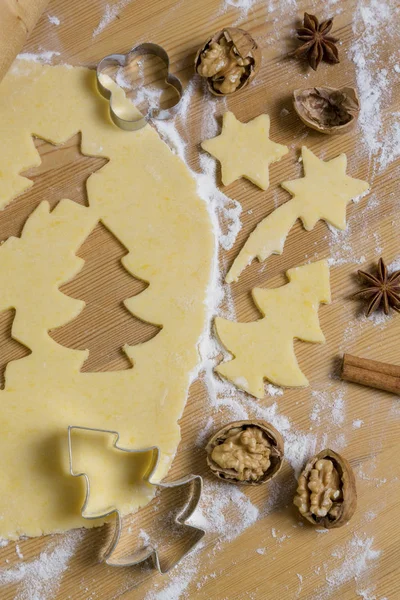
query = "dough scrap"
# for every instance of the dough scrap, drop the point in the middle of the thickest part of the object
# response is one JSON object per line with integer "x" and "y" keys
{"x": 245, "y": 150}
{"x": 323, "y": 193}
{"x": 146, "y": 197}
{"x": 264, "y": 349}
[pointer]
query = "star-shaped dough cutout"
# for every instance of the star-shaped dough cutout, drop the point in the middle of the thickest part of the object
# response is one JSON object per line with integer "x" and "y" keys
{"x": 325, "y": 190}
{"x": 245, "y": 150}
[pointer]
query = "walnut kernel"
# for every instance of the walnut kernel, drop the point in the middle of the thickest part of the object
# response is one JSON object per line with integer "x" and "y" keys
{"x": 326, "y": 492}
{"x": 246, "y": 452}
{"x": 229, "y": 61}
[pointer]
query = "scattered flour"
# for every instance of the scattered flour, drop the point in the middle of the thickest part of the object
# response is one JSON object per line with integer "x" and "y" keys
{"x": 177, "y": 583}
{"x": 110, "y": 14}
{"x": 371, "y": 18}
{"x": 341, "y": 250}
{"x": 40, "y": 579}
{"x": 277, "y": 537}
{"x": 245, "y": 8}
{"x": 357, "y": 423}
{"x": 357, "y": 557}
{"x": 273, "y": 390}
{"x": 54, "y": 20}
{"x": 228, "y": 514}
{"x": 44, "y": 57}
{"x": 368, "y": 594}
{"x": 224, "y": 510}
{"x": 329, "y": 406}
{"x": 394, "y": 265}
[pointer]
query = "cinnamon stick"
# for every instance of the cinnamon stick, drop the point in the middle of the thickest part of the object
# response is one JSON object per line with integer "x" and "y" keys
{"x": 372, "y": 373}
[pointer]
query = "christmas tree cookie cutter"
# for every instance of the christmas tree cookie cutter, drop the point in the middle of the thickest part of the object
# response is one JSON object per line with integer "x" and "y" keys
{"x": 149, "y": 551}
{"x": 108, "y": 88}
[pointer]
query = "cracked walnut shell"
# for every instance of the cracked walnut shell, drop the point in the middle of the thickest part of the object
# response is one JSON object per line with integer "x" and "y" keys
{"x": 327, "y": 110}
{"x": 245, "y": 452}
{"x": 326, "y": 493}
{"x": 229, "y": 60}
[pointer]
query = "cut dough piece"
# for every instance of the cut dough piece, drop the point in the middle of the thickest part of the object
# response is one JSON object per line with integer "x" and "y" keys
{"x": 146, "y": 197}
{"x": 264, "y": 349}
{"x": 323, "y": 193}
{"x": 245, "y": 150}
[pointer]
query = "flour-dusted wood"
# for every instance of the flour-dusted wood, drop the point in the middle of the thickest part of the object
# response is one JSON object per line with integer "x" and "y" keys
{"x": 274, "y": 558}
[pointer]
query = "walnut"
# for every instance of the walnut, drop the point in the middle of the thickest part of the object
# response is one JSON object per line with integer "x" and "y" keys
{"x": 229, "y": 60}
{"x": 326, "y": 493}
{"x": 245, "y": 452}
{"x": 328, "y": 110}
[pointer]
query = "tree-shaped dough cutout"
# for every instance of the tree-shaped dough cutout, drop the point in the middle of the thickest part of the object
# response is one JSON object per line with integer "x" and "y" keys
{"x": 10, "y": 348}
{"x": 264, "y": 349}
{"x": 105, "y": 325}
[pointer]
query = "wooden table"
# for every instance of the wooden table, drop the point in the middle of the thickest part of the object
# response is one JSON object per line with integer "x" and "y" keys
{"x": 275, "y": 557}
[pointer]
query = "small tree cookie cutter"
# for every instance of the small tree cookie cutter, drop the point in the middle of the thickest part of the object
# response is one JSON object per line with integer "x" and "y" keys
{"x": 143, "y": 554}
{"x": 123, "y": 60}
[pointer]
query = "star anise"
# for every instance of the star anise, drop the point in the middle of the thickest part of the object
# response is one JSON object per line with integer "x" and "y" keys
{"x": 318, "y": 45}
{"x": 382, "y": 289}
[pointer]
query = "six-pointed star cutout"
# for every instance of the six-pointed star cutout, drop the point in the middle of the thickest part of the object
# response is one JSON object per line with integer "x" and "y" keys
{"x": 245, "y": 150}
{"x": 325, "y": 190}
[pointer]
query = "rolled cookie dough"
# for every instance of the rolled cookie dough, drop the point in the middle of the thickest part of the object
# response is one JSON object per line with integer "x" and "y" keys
{"x": 147, "y": 198}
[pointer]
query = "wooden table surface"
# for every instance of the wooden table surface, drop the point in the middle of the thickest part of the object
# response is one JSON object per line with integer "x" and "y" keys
{"x": 275, "y": 557}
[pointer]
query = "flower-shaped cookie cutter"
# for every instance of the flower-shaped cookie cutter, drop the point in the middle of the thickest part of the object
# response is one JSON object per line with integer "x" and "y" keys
{"x": 149, "y": 551}
{"x": 124, "y": 60}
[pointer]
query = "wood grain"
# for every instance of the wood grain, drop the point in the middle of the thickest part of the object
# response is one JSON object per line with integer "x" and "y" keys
{"x": 298, "y": 561}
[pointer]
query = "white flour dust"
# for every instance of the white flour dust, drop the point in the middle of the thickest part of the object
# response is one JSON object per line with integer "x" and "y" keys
{"x": 356, "y": 556}
{"x": 226, "y": 515}
{"x": 44, "y": 57}
{"x": 245, "y": 8}
{"x": 224, "y": 512}
{"x": 329, "y": 407}
{"x": 111, "y": 13}
{"x": 374, "y": 75}
{"x": 40, "y": 578}
{"x": 54, "y": 20}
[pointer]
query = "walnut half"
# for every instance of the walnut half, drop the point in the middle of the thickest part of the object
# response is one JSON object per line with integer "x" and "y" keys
{"x": 245, "y": 452}
{"x": 326, "y": 493}
{"x": 327, "y": 110}
{"x": 229, "y": 60}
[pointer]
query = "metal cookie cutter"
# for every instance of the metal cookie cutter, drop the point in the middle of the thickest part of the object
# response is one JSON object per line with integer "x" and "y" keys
{"x": 123, "y": 60}
{"x": 149, "y": 551}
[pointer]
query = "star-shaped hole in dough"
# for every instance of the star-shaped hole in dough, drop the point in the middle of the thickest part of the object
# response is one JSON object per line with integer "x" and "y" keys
{"x": 245, "y": 150}
{"x": 61, "y": 171}
{"x": 323, "y": 193}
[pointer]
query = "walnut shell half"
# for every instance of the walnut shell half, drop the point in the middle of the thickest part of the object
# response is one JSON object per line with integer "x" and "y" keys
{"x": 229, "y": 60}
{"x": 245, "y": 452}
{"x": 326, "y": 494}
{"x": 327, "y": 110}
